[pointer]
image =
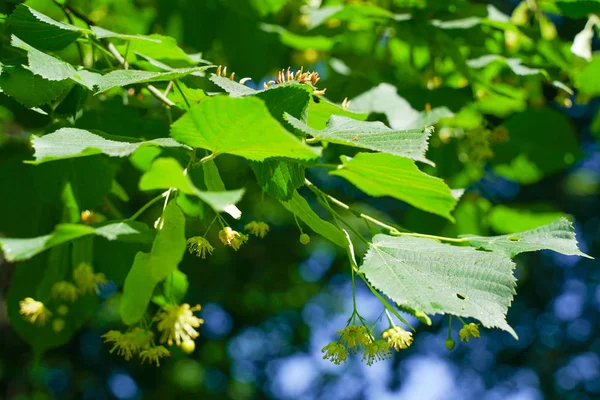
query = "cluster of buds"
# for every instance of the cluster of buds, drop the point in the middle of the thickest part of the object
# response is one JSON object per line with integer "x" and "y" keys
{"x": 222, "y": 71}
{"x": 300, "y": 76}
{"x": 345, "y": 103}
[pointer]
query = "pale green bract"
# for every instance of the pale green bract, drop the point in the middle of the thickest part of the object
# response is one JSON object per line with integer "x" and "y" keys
{"x": 166, "y": 173}
{"x": 149, "y": 269}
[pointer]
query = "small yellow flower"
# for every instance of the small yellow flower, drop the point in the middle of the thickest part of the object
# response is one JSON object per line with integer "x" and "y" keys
{"x": 65, "y": 291}
{"x": 335, "y": 352}
{"x": 58, "y": 325}
{"x": 398, "y": 338}
{"x": 200, "y": 246}
{"x": 177, "y": 323}
{"x": 34, "y": 311}
{"x": 469, "y": 331}
{"x": 257, "y": 228}
{"x": 355, "y": 337}
{"x": 232, "y": 238}
{"x": 86, "y": 280}
{"x": 130, "y": 343}
{"x": 153, "y": 354}
{"x": 376, "y": 351}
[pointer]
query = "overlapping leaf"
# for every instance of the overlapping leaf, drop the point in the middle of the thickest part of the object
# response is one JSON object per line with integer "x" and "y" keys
{"x": 124, "y": 77}
{"x": 374, "y": 135}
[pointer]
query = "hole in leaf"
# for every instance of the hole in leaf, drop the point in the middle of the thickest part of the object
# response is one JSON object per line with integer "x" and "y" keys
{"x": 461, "y": 296}
{"x": 514, "y": 238}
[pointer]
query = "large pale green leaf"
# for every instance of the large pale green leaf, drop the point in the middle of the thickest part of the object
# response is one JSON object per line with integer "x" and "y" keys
{"x": 53, "y": 69}
{"x": 300, "y": 207}
{"x": 558, "y": 236}
{"x": 438, "y": 278}
{"x": 42, "y": 31}
{"x": 151, "y": 268}
{"x": 166, "y": 173}
{"x": 388, "y": 175}
{"x": 239, "y": 126}
{"x": 510, "y": 219}
{"x": 28, "y": 89}
{"x": 23, "y": 249}
{"x": 73, "y": 142}
{"x": 374, "y": 135}
{"x": 124, "y": 77}
{"x": 400, "y": 114}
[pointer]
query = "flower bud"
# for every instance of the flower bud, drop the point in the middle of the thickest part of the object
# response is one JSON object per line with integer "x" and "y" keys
{"x": 449, "y": 343}
{"x": 304, "y": 239}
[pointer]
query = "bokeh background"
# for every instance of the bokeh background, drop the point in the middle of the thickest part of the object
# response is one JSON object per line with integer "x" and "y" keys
{"x": 270, "y": 308}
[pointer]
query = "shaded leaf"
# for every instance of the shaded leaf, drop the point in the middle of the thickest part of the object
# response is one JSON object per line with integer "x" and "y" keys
{"x": 279, "y": 178}
{"x": 30, "y": 90}
{"x": 124, "y": 77}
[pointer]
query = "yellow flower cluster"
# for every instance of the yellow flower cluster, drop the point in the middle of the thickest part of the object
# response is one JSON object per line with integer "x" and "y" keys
{"x": 232, "y": 238}
{"x": 398, "y": 338}
{"x": 353, "y": 339}
{"x": 65, "y": 291}
{"x": 257, "y": 228}
{"x": 86, "y": 280}
{"x": 137, "y": 341}
{"x": 177, "y": 323}
{"x": 199, "y": 245}
{"x": 469, "y": 331}
{"x": 34, "y": 311}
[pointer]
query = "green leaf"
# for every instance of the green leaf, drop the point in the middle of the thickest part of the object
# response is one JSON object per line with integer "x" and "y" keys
{"x": 437, "y": 278}
{"x": 370, "y": 135}
{"x": 239, "y": 126}
{"x": 234, "y": 88}
{"x": 73, "y": 142}
{"x": 162, "y": 48}
{"x": 124, "y": 77}
{"x": 515, "y": 64}
{"x": 214, "y": 183}
{"x": 400, "y": 114}
{"x": 166, "y": 173}
{"x": 588, "y": 79}
{"x": 578, "y": 8}
{"x": 319, "y": 113}
{"x": 289, "y": 99}
{"x": 300, "y": 208}
{"x": 102, "y": 33}
{"x": 279, "y": 178}
{"x": 151, "y": 268}
{"x": 558, "y": 236}
{"x": 28, "y": 89}
{"x": 42, "y": 31}
{"x": 520, "y": 157}
{"x": 174, "y": 288}
{"x": 388, "y": 175}
{"x": 300, "y": 42}
{"x": 506, "y": 219}
{"x": 23, "y": 249}
{"x": 53, "y": 69}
